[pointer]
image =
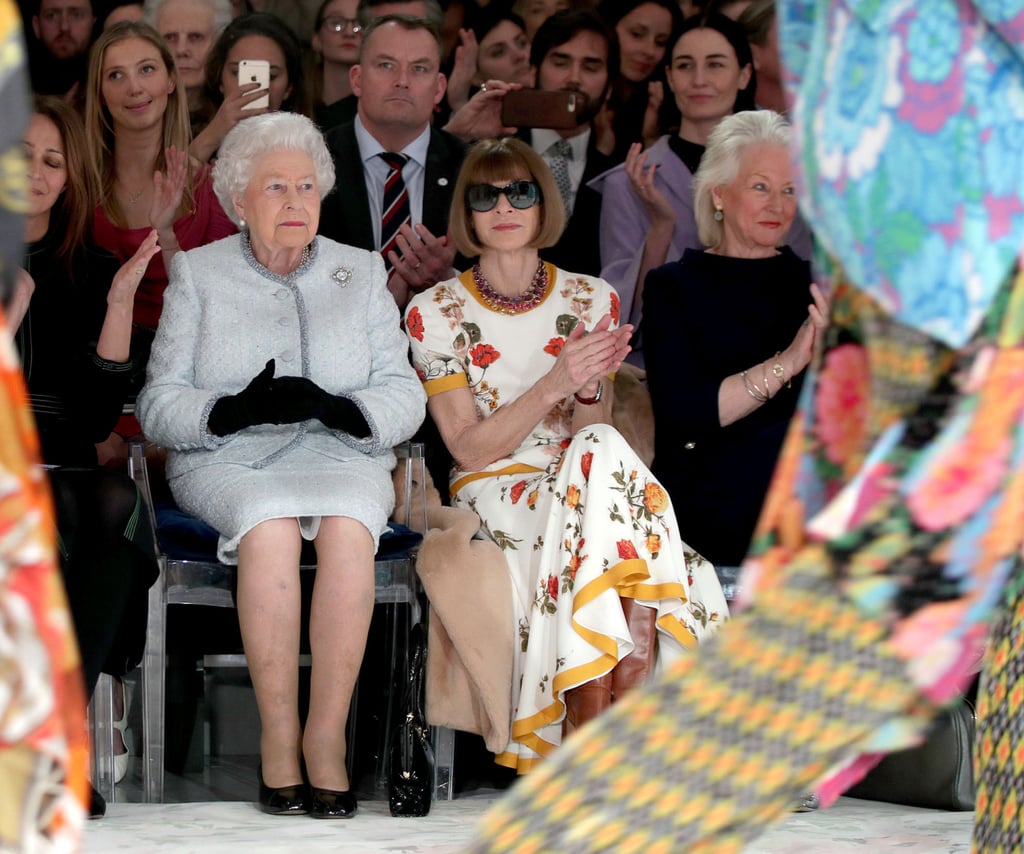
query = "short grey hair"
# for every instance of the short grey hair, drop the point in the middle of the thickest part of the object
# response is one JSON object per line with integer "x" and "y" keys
{"x": 222, "y": 14}
{"x": 252, "y": 139}
{"x": 721, "y": 161}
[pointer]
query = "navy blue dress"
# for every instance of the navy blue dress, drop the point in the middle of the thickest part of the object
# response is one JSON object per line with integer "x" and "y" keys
{"x": 706, "y": 317}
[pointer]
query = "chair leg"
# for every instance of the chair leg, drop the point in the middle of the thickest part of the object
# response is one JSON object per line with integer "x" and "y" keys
{"x": 635, "y": 668}
{"x": 101, "y": 720}
{"x": 586, "y": 702}
{"x": 154, "y": 665}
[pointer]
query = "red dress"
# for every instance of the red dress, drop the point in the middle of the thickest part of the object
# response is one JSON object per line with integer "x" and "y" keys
{"x": 205, "y": 223}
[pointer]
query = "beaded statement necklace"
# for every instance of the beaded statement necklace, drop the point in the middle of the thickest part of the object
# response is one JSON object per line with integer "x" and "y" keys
{"x": 527, "y": 300}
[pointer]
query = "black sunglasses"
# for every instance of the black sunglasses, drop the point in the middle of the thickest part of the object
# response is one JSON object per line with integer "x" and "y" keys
{"x": 520, "y": 194}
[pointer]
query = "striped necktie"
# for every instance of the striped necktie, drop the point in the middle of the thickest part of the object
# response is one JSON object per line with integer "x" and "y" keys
{"x": 395, "y": 209}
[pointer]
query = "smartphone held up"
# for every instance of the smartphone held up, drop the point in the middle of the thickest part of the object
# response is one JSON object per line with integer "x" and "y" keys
{"x": 534, "y": 108}
{"x": 255, "y": 71}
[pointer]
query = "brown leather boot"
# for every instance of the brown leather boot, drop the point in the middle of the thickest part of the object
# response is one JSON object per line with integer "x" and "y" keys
{"x": 586, "y": 702}
{"x": 635, "y": 668}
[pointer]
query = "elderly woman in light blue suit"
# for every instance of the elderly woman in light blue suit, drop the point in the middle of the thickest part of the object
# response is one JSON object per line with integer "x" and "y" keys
{"x": 279, "y": 382}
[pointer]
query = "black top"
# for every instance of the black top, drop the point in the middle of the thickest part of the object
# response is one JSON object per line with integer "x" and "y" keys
{"x": 706, "y": 317}
{"x": 689, "y": 152}
{"x": 75, "y": 396}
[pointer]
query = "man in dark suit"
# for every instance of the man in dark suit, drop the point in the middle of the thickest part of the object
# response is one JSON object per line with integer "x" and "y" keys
{"x": 575, "y": 51}
{"x": 398, "y": 82}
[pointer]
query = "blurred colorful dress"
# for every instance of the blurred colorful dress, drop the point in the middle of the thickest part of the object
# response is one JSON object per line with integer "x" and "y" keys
{"x": 896, "y": 515}
{"x": 43, "y": 752}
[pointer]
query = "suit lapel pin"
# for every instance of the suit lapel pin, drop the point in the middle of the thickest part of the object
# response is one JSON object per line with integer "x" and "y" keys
{"x": 342, "y": 275}
{"x": 442, "y": 182}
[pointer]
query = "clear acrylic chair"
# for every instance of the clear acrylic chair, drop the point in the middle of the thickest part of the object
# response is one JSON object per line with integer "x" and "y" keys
{"x": 211, "y": 583}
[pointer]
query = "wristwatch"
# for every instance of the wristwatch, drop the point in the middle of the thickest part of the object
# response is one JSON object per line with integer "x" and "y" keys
{"x": 590, "y": 401}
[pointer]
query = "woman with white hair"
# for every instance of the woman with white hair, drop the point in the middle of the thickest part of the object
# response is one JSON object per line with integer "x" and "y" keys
{"x": 279, "y": 382}
{"x": 190, "y": 28}
{"x": 728, "y": 333}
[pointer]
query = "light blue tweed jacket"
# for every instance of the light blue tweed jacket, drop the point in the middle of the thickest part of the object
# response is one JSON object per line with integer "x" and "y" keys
{"x": 333, "y": 320}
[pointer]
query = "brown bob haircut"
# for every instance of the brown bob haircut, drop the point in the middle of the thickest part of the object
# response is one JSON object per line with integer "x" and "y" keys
{"x": 497, "y": 161}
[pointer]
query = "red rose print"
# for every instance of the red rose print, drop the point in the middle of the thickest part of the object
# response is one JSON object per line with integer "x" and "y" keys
{"x": 627, "y": 551}
{"x": 554, "y": 346}
{"x": 615, "y": 308}
{"x": 553, "y": 587}
{"x": 414, "y": 323}
{"x": 484, "y": 355}
{"x": 585, "y": 461}
{"x": 517, "y": 491}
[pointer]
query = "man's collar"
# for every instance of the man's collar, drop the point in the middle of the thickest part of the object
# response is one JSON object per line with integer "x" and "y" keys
{"x": 541, "y": 139}
{"x": 370, "y": 147}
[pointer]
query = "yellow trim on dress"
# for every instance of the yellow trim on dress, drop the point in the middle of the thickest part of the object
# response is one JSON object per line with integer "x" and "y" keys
{"x": 516, "y": 468}
{"x": 627, "y": 579}
{"x": 445, "y": 383}
{"x": 466, "y": 279}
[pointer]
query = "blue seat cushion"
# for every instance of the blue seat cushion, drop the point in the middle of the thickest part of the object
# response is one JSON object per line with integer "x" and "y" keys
{"x": 184, "y": 537}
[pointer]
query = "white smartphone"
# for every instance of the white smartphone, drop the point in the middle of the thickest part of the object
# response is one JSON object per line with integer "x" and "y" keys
{"x": 255, "y": 71}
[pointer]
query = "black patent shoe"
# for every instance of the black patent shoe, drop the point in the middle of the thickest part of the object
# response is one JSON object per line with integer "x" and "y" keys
{"x": 97, "y": 806}
{"x": 286, "y": 800}
{"x": 327, "y": 803}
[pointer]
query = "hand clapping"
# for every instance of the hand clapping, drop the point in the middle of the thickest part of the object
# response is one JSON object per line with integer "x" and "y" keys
{"x": 587, "y": 357}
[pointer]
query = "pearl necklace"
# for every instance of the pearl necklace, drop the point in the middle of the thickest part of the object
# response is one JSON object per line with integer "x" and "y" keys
{"x": 527, "y": 300}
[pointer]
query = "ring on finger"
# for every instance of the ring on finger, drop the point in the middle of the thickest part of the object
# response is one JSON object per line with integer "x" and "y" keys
{"x": 483, "y": 87}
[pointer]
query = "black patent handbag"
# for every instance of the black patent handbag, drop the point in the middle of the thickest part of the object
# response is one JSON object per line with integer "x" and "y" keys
{"x": 411, "y": 763}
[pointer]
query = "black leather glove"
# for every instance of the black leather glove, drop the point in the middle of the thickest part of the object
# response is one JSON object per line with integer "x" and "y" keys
{"x": 340, "y": 413}
{"x": 252, "y": 405}
{"x": 302, "y": 395}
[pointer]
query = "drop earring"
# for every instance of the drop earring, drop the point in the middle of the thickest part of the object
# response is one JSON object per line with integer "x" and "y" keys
{"x": 719, "y": 216}
{"x": 241, "y": 224}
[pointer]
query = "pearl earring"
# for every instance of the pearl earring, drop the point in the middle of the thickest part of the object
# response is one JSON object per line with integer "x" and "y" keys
{"x": 241, "y": 224}
{"x": 719, "y": 216}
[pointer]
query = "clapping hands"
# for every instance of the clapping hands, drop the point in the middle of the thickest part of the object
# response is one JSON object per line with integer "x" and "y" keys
{"x": 587, "y": 357}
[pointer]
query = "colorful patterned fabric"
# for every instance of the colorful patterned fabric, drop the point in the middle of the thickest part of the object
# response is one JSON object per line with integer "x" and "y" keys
{"x": 43, "y": 752}
{"x": 898, "y": 502}
{"x": 909, "y": 120}
{"x": 870, "y": 584}
{"x": 44, "y": 759}
{"x": 580, "y": 519}
{"x": 998, "y": 769}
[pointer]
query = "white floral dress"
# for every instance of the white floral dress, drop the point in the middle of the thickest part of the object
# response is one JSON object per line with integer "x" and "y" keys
{"x": 580, "y": 519}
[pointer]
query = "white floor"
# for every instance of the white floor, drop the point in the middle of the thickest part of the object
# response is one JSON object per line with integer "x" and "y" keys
{"x": 863, "y": 827}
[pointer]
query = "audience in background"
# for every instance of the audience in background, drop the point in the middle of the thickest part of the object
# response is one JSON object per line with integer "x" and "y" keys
{"x": 644, "y": 28}
{"x": 493, "y": 47}
{"x": 574, "y": 52}
{"x": 137, "y": 134}
{"x": 227, "y": 99}
{"x": 337, "y": 34}
{"x": 710, "y": 74}
{"x": 758, "y": 21}
{"x": 123, "y": 10}
{"x": 398, "y": 83}
{"x": 536, "y": 12}
{"x": 58, "y": 57}
{"x": 189, "y": 27}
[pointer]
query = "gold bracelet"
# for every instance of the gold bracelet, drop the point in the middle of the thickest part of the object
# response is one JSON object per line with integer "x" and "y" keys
{"x": 754, "y": 392}
{"x": 779, "y": 370}
{"x": 764, "y": 379}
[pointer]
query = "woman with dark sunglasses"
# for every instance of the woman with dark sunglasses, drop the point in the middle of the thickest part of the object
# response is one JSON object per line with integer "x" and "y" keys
{"x": 516, "y": 357}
